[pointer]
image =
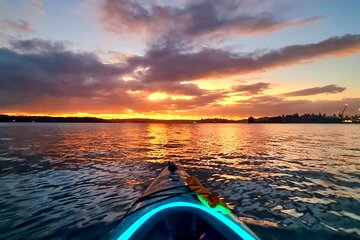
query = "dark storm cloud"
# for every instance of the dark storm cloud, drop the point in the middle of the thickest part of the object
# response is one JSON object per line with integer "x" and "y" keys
{"x": 195, "y": 19}
{"x": 251, "y": 89}
{"x": 315, "y": 90}
{"x": 38, "y": 45}
{"x": 169, "y": 63}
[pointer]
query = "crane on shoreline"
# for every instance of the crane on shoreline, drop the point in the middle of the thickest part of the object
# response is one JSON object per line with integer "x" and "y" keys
{"x": 341, "y": 114}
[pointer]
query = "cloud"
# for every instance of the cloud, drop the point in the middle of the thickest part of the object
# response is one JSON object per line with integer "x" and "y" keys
{"x": 199, "y": 101}
{"x": 42, "y": 76}
{"x": 36, "y": 67}
{"x": 15, "y": 26}
{"x": 27, "y": 76}
{"x": 273, "y": 106}
{"x": 184, "y": 65}
{"x": 251, "y": 89}
{"x": 315, "y": 90}
{"x": 192, "y": 20}
{"x": 188, "y": 89}
{"x": 39, "y": 45}
{"x": 206, "y": 99}
{"x": 35, "y": 7}
{"x": 45, "y": 76}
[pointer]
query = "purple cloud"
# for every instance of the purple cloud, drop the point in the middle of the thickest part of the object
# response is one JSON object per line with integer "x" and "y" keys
{"x": 38, "y": 45}
{"x": 251, "y": 89}
{"x": 185, "y": 65}
{"x": 194, "y": 19}
{"x": 315, "y": 90}
{"x": 26, "y": 76}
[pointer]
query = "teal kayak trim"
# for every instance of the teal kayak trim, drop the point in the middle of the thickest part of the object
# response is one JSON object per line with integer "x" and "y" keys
{"x": 138, "y": 223}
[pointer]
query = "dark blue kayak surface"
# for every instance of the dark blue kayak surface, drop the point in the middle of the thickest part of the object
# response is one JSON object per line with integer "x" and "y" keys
{"x": 170, "y": 210}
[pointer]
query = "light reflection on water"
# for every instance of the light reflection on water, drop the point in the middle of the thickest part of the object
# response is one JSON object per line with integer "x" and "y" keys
{"x": 76, "y": 180}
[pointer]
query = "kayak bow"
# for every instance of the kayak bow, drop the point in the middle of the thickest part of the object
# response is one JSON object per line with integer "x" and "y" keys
{"x": 176, "y": 206}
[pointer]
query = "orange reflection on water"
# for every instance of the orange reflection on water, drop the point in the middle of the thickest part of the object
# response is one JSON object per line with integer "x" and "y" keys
{"x": 157, "y": 137}
{"x": 260, "y": 222}
{"x": 167, "y": 141}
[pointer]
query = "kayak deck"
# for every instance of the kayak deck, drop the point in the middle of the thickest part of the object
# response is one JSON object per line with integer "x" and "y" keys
{"x": 181, "y": 220}
{"x": 170, "y": 210}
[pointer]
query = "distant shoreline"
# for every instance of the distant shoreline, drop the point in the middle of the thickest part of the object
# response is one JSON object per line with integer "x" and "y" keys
{"x": 284, "y": 119}
{"x": 44, "y": 119}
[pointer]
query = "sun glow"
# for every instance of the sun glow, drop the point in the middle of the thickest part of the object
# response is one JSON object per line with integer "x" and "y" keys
{"x": 183, "y": 97}
{"x": 157, "y": 96}
{"x": 232, "y": 99}
{"x": 128, "y": 78}
{"x": 133, "y": 92}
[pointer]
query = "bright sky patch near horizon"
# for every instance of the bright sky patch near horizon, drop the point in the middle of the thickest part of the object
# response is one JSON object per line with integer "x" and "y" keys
{"x": 179, "y": 59}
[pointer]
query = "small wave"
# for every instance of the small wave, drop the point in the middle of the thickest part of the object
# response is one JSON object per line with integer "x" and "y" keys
{"x": 6, "y": 139}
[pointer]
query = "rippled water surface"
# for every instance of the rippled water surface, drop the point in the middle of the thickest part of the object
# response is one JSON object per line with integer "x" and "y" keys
{"x": 295, "y": 181}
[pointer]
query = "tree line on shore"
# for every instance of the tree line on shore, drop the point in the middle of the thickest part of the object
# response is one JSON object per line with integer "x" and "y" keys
{"x": 294, "y": 118}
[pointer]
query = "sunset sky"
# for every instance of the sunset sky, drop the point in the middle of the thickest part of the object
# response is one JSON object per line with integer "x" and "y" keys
{"x": 179, "y": 59}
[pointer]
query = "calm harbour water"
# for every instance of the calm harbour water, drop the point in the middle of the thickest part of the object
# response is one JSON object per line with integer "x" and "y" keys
{"x": 75, "y": 181}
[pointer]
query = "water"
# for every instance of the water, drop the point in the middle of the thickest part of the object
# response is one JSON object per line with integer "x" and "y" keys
{"x": 61, "y": 181}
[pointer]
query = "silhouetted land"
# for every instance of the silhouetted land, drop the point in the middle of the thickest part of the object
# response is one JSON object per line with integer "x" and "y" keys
{"x": 295, "y": 118}
{"x": 306, "y": 118}
{"x": 7, "y": 118}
